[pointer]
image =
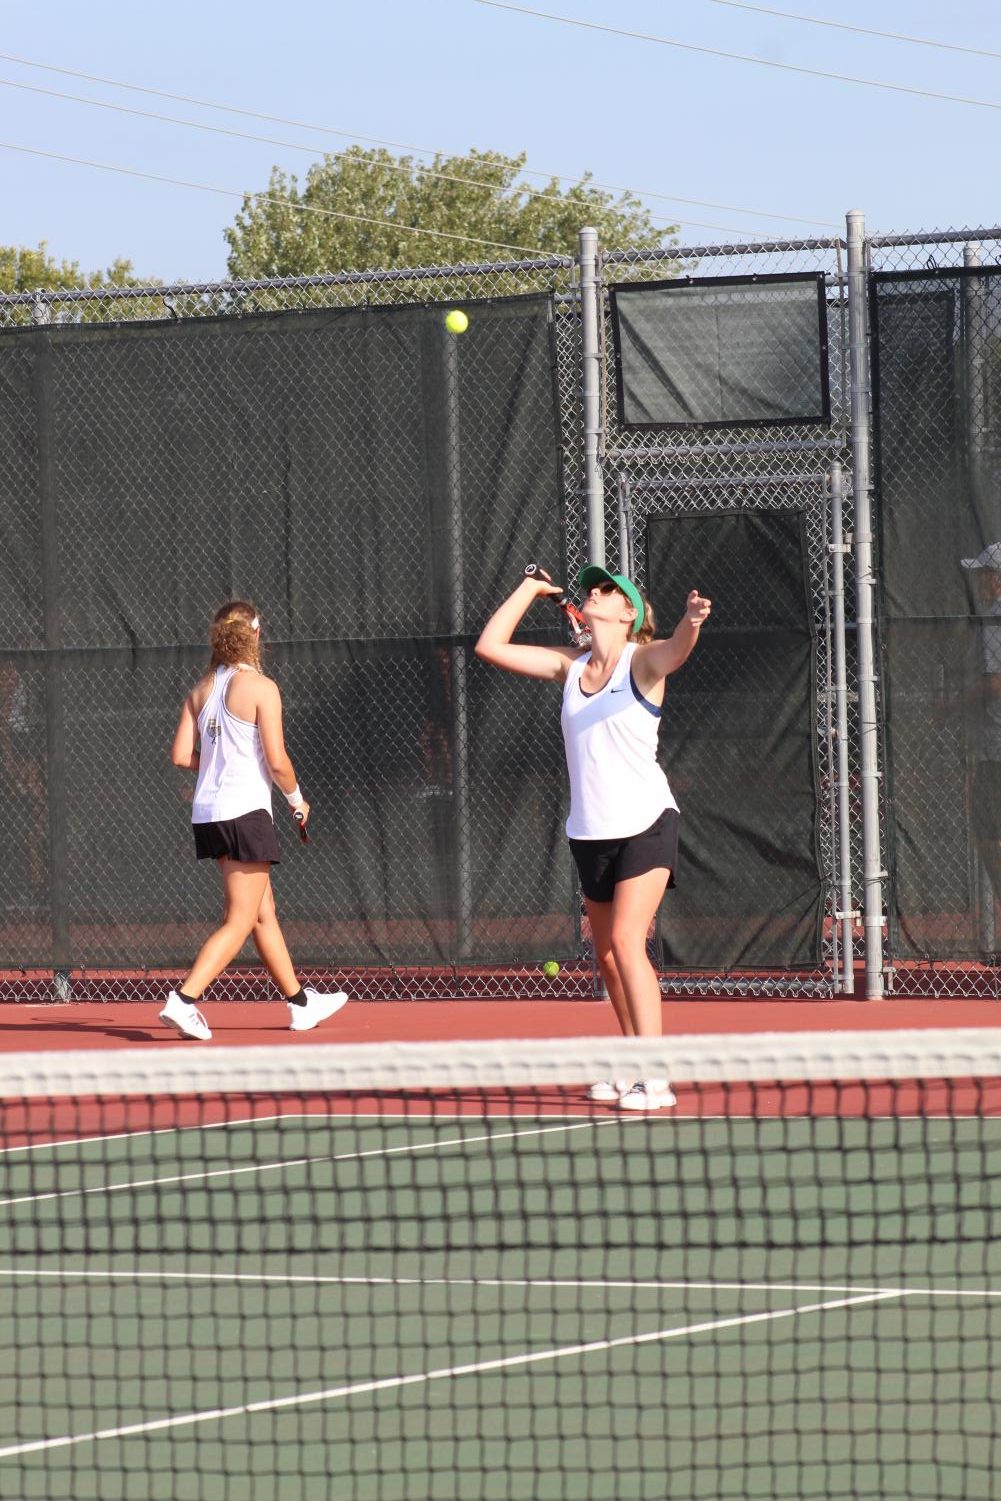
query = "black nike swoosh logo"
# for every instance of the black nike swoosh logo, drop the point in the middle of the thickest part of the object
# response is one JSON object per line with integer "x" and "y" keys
{"x": 621, "y": 688}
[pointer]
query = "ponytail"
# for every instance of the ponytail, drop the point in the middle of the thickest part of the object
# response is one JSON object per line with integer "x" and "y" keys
{"x": 233, "y": 636}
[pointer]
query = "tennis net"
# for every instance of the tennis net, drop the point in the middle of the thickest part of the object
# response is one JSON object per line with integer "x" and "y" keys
{"x": 393, "y": 1272}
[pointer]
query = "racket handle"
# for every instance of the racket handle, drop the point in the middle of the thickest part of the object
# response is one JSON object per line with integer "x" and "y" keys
{"x": 300, "y": 820}
{"x": 533, "y": 570}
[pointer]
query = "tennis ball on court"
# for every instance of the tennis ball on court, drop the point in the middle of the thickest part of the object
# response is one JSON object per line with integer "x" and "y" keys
{"x": 456, "y": 321}
{"x": 550, "y": 969}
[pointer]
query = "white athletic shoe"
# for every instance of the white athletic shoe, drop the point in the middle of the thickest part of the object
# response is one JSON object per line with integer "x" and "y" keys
{"x": 185, "y": 1017}
{"x": 648, "y": 1094}
{"x": 609, "y": 1091}
{"x": 316, "y": 1010}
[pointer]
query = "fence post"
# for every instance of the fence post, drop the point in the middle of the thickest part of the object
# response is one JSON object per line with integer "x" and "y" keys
{"x": 985, "y": 897}
{"x": 845, "y": 916}
{"x": 865, "y": 593}
{"x": 591, "y": 376}
{"x": 452, "y": 447}
{"x": 55, "y": 709}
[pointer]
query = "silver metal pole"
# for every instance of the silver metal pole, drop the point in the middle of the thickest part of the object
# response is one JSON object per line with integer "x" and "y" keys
{"x": 593, "y": 493}
{"x": 873, "y": 874}
{"x": 457, "y": 666}
{"x": 626, "y": 561}
{"x": 845, "y": 916}
{"x": 591, "y": 377}
{"x": 976, "y": 422}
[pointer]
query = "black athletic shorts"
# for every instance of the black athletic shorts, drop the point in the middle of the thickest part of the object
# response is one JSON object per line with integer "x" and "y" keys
{"x": 602, "y": 863}
{"x": 251, "y": 839}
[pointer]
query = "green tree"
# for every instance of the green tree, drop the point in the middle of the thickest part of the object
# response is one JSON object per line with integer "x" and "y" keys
{"x": 23, "y": 269}
{"x": 280, "y": 233}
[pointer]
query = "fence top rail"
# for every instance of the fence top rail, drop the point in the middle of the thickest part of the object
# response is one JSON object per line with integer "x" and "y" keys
{"x": 668, "y": 450}
{"x": 688, "y": 252}
{"x": 934, "y": 237}
{"x": 284, "y": 283}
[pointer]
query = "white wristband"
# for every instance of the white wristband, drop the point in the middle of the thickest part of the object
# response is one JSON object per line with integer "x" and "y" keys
{"x": 295, "y": 798}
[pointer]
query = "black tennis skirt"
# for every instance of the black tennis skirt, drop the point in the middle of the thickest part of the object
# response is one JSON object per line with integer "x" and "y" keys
{"x": 251, "y": 839}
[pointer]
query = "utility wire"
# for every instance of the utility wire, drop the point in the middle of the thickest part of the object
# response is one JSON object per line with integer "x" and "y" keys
{"x": 742, "y": 57}
{"x": 378, "y": 141}
{"x": 893, "y": 36}
{"x": 243, "y": 135}
{"x": 306, "y": 208}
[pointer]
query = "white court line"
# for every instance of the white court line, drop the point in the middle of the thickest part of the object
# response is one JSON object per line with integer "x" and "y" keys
{"x": 600, "y": 1284}
{"x": 268, "y": 1167}
{"x": 330, "y": 1118}
{"x": 274, "y": 1404}
{"x": 444, "y": 1115}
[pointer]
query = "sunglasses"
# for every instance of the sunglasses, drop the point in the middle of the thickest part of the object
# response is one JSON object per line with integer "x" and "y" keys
{"x": 606, "y": 588}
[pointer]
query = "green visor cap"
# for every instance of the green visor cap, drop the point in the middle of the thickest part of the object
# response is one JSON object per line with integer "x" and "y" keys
{"x": 595, "y": 574}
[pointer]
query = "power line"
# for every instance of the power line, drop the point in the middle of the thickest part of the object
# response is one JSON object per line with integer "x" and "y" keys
{"x": 762, "y": 62}
{"x": 243, "y": 135}
{"x": 375, "y": 140}
{"x": 893, "y": 36}
{"x": 306, "y": 208}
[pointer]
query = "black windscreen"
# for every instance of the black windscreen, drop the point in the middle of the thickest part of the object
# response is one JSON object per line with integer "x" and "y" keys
{"x": 375, "y": 484}
{"x": 723, "y": 352}
{"x": 937, "y": 341}
{"x": 738, "y": 743}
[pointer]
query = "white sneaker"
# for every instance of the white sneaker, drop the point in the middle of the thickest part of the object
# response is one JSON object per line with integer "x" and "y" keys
{"x": 609, "y": 1091}
{"x": 648, "y": 1094}
{"x": 317, "y": 1008}
{"x": 185, "y": 1017}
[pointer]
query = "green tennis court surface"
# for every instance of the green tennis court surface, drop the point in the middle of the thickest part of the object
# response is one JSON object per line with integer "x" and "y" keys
{"x": 504, "y": 1302}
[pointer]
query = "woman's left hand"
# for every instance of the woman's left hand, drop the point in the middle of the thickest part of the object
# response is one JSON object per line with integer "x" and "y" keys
{"x": 697, "y": 608}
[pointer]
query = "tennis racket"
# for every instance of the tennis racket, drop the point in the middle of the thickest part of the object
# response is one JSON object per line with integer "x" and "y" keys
{"x": 300, "y": 820}
{"x": 577, "y": 625}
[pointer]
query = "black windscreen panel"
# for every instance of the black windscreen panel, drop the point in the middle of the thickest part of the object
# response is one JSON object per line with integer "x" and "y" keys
{"x": 721, "y": 352}
{"x": 374, "y": 484}
{"x": 738, "y": 743}
{"x": 937, "y": 402}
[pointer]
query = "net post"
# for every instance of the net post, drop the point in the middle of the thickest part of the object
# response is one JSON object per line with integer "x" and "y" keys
{"x": 591, "y": 377}
{"x": 845, "y": 915}
{"x": 865, "y": 591}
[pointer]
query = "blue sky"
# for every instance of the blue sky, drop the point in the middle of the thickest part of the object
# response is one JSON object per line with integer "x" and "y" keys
{"x": 454, "y": 74}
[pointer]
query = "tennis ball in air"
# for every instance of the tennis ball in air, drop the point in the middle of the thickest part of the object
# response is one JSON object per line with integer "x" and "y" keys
{"x": 550, "y": 969}
{"x": 456, "y": 321}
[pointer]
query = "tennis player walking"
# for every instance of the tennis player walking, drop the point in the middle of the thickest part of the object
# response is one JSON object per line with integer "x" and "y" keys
{"x": 623, "y": 823}
{"x": 230, "y": 733}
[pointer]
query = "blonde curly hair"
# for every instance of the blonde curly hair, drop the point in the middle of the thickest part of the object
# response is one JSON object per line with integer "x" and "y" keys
{"x": 233, "y": 637}
{"x": 649, "y": 626}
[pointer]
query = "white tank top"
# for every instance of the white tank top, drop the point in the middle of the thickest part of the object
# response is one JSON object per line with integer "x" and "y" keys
{"x": 617, "y": 788}
{"x": 233, "y": 776}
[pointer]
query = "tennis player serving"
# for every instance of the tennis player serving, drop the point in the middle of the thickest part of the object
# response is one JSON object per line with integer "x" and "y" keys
{"x": 623, "y": 823}
{"x": 230, "y": 733}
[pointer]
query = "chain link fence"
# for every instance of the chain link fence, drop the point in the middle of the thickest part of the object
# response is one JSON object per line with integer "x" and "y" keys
{"x": 438, "y": 869}
{"x": 701, "y": 470}
{"x": 936, "y": 339}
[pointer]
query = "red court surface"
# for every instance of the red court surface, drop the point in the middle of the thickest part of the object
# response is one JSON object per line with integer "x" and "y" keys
{"x": 27, "y": 1027}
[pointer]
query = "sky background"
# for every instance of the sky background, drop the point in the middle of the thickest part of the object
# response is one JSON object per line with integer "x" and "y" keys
{"x": 453, "y": 74}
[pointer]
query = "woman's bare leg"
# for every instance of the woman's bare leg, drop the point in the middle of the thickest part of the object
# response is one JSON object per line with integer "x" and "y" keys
{"x": 600, "y": 917}
{"x": 633, "y": 908}
{"x": 244, "y": 885}
{"x": 269, "y": 940}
